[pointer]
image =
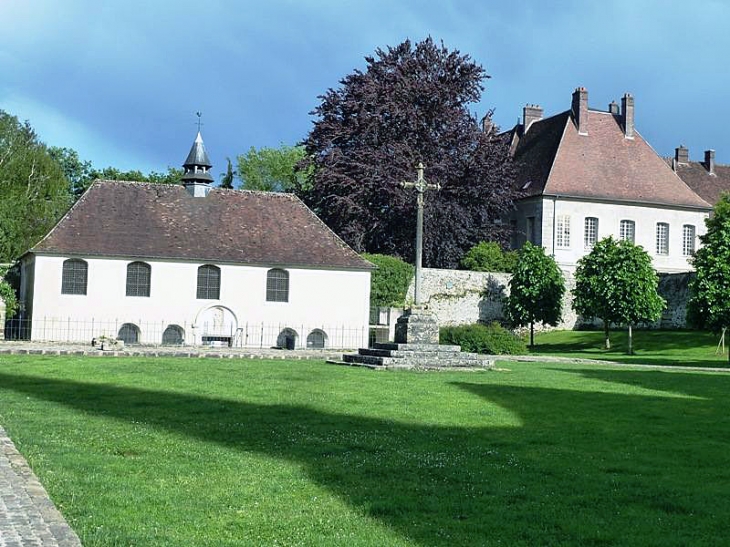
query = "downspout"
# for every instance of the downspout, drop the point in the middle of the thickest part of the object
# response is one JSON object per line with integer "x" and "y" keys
{"x": 555, "y": 199}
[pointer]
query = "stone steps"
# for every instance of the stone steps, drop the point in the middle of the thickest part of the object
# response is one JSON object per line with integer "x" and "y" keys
{"x": 420, "y": 356}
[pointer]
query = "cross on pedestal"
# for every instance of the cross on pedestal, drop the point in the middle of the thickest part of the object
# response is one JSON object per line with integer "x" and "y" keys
{"x": 421, "y": 186}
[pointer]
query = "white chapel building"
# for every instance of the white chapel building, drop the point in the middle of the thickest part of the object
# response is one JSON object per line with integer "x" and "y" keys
{"x": 192, "y": 264}
{"x": 586, "y": 174}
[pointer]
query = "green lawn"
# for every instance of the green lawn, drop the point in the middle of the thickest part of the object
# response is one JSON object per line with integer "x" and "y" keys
{"x": 652, "y": 347}
{"x": 208, "y": 452}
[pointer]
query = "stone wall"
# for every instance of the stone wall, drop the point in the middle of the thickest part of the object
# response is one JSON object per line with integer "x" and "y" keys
{"x": 458, "y": 297}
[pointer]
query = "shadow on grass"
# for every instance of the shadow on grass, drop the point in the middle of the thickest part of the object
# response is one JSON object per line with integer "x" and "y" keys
{"x": 586, "y": 467}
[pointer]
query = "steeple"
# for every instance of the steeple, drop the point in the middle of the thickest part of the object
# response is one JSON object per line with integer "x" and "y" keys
{"x": 197, "y": 179}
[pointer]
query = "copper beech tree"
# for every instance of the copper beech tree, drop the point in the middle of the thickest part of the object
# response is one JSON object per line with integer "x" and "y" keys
{"x": 410, "y": 104}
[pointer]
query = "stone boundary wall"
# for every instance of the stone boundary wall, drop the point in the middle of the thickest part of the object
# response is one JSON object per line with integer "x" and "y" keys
{"x": 459, "y": 297}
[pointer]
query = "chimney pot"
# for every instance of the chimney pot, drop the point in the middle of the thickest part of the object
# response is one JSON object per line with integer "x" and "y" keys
{"x": 579, "y": 107}
{"x": 627, "y": 108}
{"x": 710, "y": 161}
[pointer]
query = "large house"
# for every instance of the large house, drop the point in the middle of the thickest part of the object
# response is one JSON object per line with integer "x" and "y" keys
{"x": 586, "y": 174}
{"x": 188, "y": 263}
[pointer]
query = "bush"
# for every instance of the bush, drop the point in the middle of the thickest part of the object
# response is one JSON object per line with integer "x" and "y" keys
{"x": 489, "y": 257}
{"x": 389, "y": 283}
{"x": 492, "y": 339}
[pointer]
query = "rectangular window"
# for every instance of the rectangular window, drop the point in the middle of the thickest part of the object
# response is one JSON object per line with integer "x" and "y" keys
{"x": 562, "y": 236}
{"x": 627, "y": 230}
{"x": 530, "y": 232}
{"x": 688, "y": 240}
{"x": 591, "y": 232}
{"x": 662, "y": 238}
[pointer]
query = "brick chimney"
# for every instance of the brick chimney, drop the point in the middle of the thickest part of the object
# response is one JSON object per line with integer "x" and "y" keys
{"x": 530, "y": 113}
{"x": 627, "y": 113}
{"x": 580, "y": 109}
{"x": 710, "y": 161}
{"x": 681, "y": 154}
{"x": 613, "y": 108}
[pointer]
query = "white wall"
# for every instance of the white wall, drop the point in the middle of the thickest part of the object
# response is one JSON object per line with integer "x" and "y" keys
{"x": 609, "y": 217}
{"x": 331, "y": 300}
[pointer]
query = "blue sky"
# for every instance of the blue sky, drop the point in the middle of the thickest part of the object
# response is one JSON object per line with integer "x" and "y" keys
{"x": 120, "y": 81}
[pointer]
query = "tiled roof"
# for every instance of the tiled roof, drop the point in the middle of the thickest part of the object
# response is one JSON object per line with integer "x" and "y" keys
{"x": 698, "y": 178}
{"x": 553, "y": 159}
{"x": 142, "y": 220}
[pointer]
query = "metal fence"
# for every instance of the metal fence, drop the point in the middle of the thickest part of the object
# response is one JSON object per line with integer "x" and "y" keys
{"x": 163, "y": 333}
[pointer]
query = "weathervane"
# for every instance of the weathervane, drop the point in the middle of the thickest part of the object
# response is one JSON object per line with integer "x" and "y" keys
{"x": 421, "y": 186}
{"x": 199, "y": 115}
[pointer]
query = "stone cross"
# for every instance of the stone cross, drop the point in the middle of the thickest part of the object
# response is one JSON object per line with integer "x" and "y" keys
{"x": 421, "y": 186}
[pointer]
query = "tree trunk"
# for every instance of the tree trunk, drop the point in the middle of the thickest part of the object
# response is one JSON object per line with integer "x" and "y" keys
{"x": 607, "y": 343}
{"x": 631, "y": 340}
{"x": 532, "y": 334}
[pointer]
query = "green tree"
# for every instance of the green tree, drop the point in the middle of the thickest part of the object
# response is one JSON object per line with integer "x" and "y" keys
{"x": 709, "y": 305}
{"x": 7, "y": 295}
{"x": 617, "y": 283}
{"x": 79, "y": 173}
{"x": 536, "y": 290}
{"x": 489, "y": 257}
{"x": 34, "y": 193}
{"x": 274, "y": 169}
{"x": 227, "y": 179}
{"x": 389, "y": 282}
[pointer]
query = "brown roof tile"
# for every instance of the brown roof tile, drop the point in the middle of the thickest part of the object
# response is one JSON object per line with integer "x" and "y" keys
{"x": 141, "y": 220}
{"x": 602, "y": 165}
{"x": 698, "y": 178}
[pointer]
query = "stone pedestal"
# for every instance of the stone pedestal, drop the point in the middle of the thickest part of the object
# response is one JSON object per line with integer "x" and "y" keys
{"x": 416, "y": 347}
{"x": 417, "y": 326}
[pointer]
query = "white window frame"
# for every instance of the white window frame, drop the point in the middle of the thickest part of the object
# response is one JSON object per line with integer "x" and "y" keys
{"x": 662, "y": 238}
{"x": 689, "y": 234}
{"x": 562, "y": 232}
{"x": 590, "y": 232}
{"x": 627, "y": 230}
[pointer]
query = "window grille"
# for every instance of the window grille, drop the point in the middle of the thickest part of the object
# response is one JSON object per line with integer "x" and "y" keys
{"x": 138, "y": 279}
{"x": 316, "y": 339}
{"x": 277, "y": 286}
{"x": 591, "y": 232}
{"x": 174, "y": 335}
{"x": 209, "y": 282}
{"x": 74, "y": 276}
{"x": 129, "y": 333}
{"x": 562, "y": 238}
{"x": 662, "y": 238}
{"x": 627, "y": 231}
{"x": 688, "y": 240}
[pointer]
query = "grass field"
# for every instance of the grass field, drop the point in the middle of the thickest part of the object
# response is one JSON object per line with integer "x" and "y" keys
{"x": 183, "y": 452}
{"x": 651, "y": 347}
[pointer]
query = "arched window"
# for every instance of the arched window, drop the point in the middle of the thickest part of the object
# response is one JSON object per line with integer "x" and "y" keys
{"x": 688, "y": 240}
{"x": 209, "y": 282}
{"x": 287, "y": 339}
{"x": 174, "y": 335}
{"x": 74, "y": 276}
{"x": 277, "y": 285}
{"x": 129, "y": 333}
{"x": 138, "y": 279}
{"x": 317, "y": 339}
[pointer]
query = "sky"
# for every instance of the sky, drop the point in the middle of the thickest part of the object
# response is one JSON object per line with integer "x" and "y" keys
{"x": 120, "y": 81}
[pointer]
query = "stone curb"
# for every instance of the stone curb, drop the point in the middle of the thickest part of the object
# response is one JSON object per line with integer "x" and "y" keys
{"x": 28, "y": 517}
